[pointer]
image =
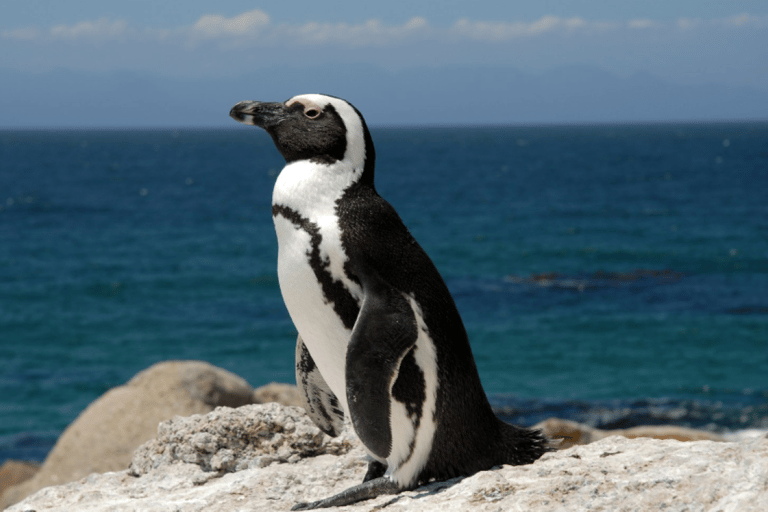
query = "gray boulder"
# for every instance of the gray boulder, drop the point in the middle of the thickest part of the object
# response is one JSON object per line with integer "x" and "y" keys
{"x": 104, "y": 436}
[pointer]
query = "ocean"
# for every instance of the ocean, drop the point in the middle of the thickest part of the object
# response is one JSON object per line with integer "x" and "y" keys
{"x": 613, "y": 275}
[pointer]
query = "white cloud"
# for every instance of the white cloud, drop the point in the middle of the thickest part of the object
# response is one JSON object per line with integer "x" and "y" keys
{"x": 499, "y": 31}
{"x": 642, "y": 23}
{"x": 689, "y": 23}
{"x": 102, "y": 28}
{"x": 255, "y": 27}
{"x": 745, "y": 19}
{"x": 368, "y": 33}
{"x": 738, "y": 21}
{"x": 249, "y": 24}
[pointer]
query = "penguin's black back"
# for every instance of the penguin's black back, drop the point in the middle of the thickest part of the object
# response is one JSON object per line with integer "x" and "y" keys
{"x": 468, "y": 437}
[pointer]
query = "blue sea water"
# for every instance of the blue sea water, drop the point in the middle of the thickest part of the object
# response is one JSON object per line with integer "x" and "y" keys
{"x": 616, "y": 275}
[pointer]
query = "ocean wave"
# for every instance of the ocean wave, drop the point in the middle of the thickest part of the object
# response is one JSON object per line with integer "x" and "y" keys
{"x": 598, "y": 279}
{"x": 734, "y": 412}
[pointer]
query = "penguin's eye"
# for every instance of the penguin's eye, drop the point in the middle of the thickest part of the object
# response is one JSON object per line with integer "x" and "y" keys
{"x": 312, "y": 113}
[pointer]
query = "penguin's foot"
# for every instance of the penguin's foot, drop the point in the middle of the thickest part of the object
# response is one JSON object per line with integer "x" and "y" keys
{"x": 375, "y": 470}
{"x": 364, "y": 491}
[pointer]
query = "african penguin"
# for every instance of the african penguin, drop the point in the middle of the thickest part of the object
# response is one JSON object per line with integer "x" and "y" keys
{"x": 380, "y": 338}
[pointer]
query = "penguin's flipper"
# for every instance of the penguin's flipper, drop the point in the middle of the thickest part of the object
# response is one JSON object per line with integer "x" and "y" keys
{"x": 385, "y": 330}
{"x": 319, "y": 401}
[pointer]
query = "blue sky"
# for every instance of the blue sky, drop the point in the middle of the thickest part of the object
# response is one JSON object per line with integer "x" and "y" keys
{"x": 176, "y": 13}
{"x": 535, "y": 61}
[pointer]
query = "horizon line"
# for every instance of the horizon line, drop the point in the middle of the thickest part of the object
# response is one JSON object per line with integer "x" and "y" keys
{"x": 404, "y": 126}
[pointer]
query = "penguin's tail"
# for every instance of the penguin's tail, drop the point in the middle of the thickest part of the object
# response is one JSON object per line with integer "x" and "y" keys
{"x": 523, "y": 445}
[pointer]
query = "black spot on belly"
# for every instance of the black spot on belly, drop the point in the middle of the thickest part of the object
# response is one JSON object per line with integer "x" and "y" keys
{"x": 410, "y": 387}
{"x": 334, "y": 291}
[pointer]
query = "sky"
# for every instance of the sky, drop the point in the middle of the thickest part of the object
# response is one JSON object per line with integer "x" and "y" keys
{"x": 89, "y": 63}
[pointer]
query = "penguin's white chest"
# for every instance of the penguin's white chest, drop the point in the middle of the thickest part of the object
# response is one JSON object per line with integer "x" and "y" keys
{"x": 309, "y": 252}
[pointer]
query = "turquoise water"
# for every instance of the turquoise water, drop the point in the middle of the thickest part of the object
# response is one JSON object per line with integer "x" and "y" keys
{"x": 611, "y": 274}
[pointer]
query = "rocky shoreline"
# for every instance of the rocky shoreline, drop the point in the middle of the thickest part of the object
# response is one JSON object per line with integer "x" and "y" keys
{"x": 220, "y": 447}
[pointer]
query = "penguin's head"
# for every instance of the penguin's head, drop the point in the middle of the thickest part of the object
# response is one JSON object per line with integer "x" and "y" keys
{"x": 322, "y": 129}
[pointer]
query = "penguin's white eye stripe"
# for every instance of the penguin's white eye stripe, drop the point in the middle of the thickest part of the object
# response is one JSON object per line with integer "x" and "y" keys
{"x": 311, "y": 109}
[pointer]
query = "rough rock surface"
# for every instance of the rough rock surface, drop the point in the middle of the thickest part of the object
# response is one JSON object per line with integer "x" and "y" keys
{"x": 179, "y": 473}
{"x": 228, "y": 440}
{"x": 104, "y": 436}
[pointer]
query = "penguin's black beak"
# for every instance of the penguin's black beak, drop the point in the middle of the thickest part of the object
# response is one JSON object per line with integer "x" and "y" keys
{"x": 259, "y": 113}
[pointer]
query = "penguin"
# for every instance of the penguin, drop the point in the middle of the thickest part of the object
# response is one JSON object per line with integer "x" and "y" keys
{"x": 380, "y": 340}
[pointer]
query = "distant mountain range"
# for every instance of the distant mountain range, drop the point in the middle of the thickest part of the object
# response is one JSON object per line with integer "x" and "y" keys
{"x": 419, "y": 96}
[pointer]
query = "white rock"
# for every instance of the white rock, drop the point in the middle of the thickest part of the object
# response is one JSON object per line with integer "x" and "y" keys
{"x": 229, "y": 440}
{"x": 613, "y": 474}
